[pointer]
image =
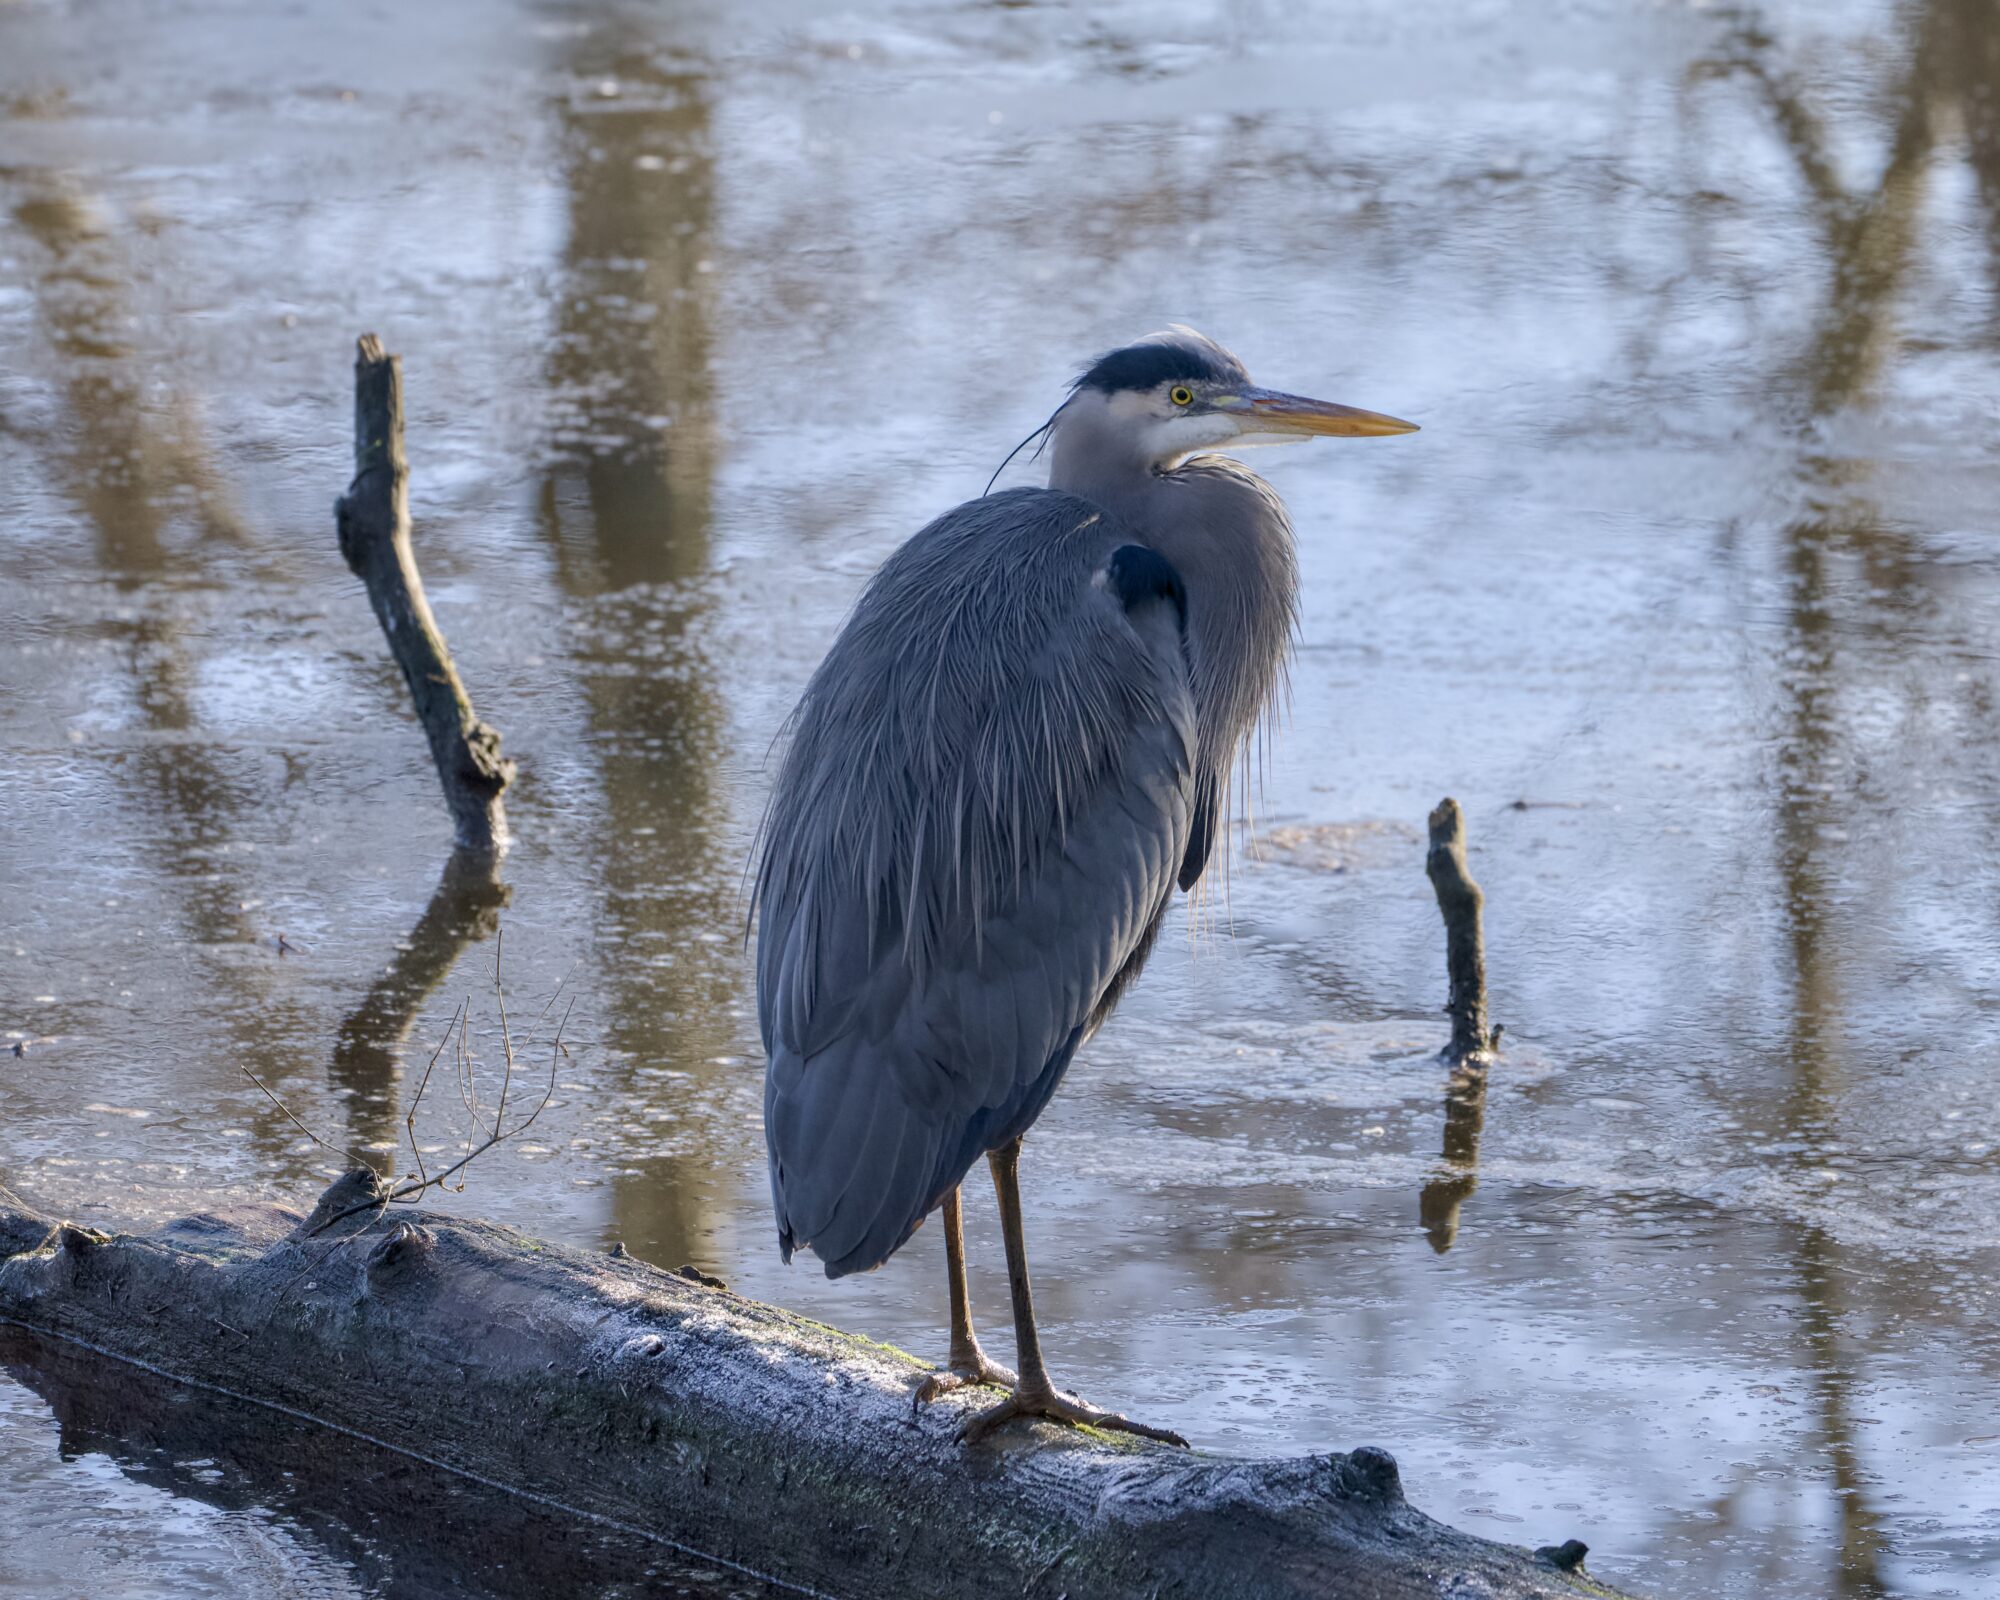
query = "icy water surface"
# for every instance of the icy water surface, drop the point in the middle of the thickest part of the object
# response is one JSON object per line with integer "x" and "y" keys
{"x": 1686, "y": 591}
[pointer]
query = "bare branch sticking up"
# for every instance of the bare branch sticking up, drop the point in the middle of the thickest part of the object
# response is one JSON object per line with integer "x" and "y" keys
{"x": 373, "y": 518}
{"x": 1472, "y": 1042}
{"x": 1459, "y": 899}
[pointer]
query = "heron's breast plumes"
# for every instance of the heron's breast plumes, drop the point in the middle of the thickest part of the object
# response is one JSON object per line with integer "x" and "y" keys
{"x": 972, "y": 703}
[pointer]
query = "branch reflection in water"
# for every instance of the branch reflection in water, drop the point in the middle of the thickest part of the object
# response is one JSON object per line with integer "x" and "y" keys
{"x": 1458, "y": 1173}
{"x": 367, "y": 1053}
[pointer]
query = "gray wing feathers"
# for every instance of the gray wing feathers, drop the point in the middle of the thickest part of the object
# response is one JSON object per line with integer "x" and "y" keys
{"x": 980, "y": 820}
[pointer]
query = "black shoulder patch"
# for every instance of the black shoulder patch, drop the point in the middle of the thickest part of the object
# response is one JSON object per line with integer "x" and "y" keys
{"x": 1137, "y": 573}
{"x": 1201, "y": 835}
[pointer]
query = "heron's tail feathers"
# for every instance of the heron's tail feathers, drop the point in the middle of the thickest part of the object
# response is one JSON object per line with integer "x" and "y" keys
{"x": 854, "y": 1166}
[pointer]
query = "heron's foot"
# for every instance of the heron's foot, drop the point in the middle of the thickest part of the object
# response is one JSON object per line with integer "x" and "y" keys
{"x": 965, "y": 1370}
{"x": 1046, "y": 1402}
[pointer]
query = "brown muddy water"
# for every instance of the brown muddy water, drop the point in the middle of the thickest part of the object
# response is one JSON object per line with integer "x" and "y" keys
{"x": 704, "y": 308}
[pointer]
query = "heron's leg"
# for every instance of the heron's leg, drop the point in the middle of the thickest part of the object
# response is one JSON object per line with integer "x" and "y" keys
{"x": 967, "y": 1363}
{"x": 1034, "y": 1395}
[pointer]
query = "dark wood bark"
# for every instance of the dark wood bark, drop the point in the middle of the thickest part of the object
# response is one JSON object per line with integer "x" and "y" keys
{"x": 373, "y": 519}
{"x": 741, "y": 1432}
{"x": 1462, "y": 905}
{"x": 1472, "y": 1042}
{"x": 404, "y": 1529}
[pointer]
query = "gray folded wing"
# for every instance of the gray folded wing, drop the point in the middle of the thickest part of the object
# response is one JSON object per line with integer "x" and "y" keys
{"x": 975, "y": 833}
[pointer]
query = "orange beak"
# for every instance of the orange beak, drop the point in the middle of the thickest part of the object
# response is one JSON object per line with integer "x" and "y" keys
{"x": 1268, "y": 411}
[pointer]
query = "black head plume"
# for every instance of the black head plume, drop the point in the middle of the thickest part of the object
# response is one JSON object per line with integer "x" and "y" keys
{"x": 1179, "y": 355}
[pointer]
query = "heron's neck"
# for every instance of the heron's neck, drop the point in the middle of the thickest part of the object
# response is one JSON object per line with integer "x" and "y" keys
{"x": 1226, "y": 532}
{"x": 1093, "y": 456}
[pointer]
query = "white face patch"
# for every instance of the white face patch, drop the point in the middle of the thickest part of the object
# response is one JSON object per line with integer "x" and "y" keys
{"x": 1259, "y": 441}
{"x": 1168, "y": 435}
{"x": 1171, "y": 439}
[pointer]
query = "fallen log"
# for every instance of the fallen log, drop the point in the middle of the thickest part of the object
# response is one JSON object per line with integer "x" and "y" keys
{"x": 752, "y": 1437}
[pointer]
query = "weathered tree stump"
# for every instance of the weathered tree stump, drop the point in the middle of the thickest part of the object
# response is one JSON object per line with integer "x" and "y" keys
{"x": 373, "y": 519}
{"x": 1462, "y": 904}
{"x": 732, "y": 1430}
{"x": 1470, "y": 1051}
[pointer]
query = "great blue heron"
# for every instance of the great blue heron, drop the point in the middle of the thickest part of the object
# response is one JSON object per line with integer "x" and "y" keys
{"x": 1016, "y": 750}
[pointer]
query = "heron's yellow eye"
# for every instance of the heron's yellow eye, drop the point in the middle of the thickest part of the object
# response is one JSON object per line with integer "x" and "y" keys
{"x": 1182, "y": 395}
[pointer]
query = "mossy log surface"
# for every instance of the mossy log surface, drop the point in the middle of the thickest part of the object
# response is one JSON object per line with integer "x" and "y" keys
{"x": 738, "y": 1431}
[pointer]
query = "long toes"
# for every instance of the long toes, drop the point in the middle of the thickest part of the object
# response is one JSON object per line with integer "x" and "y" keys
{"x": 1060, "y": 1408}
{"x": 939, "y": 1384}
{"x": 1112, "y": 1422}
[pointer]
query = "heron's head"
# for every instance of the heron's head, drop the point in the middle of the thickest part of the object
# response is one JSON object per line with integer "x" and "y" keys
{"x": 1156, "y": 402}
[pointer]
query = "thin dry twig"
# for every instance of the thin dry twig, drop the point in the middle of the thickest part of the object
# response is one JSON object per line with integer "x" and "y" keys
{"x": 482, "y": 1135}
{"x": 464, "y": 1066}
{"x": 411, "y": 1188}
{"x": 286, "y": 1112}
{"x": 556, "y": 994}
{"x": 506, "y": 1041}
{"x": 469, "y": 1088}
{"x": 410, "y": 1119}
